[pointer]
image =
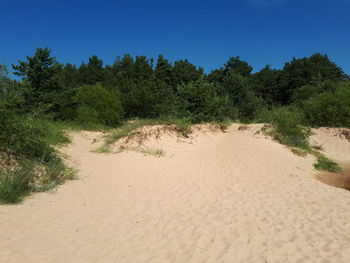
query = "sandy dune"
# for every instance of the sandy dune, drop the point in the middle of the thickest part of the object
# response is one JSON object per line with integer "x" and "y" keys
{"x": 225, "y": 197}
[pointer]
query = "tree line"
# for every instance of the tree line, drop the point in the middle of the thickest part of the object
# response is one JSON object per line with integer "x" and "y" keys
{"x": 139, "y": 87}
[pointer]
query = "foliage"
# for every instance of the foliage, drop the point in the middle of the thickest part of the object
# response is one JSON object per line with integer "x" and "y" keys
{"x": 185, "y": 71}
{"x": 92, "y": 72}
{"x": 238, "y": 66}
{"x": 14, "y": 183}
{"x": 40, "y": 71}
{"x": 266, "y": 85}
{"x": 200, "y": 102}
{"x": 323, "y": 163}
{"x": 29, "y": 135}
{"x": 27, "y": 152}
{"x": 151, "y": 98}
{"x": 307, "y": 71}
{"x": 241, "y": 95}
{"x": 287, "y": 128}
{"x": 329, "y": 108}
{"x": 98, "y": 105}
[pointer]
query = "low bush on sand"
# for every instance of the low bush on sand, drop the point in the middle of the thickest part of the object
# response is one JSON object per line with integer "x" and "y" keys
{"x": 28, "y": 157}
{"x": 325, "y": 164}
{"x": 287, "y": 128}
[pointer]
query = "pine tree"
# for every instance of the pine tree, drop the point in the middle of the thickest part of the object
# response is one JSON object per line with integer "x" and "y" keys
{"x": 41, "y": 73}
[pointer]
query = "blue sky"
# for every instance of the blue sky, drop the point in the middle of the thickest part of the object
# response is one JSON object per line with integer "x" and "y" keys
{"x": 205, "y": 32}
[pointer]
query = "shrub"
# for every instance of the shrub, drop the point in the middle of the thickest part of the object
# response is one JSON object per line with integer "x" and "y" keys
{"x": 200, "y": 103}
{"x": 241, "y": 95}
{"x": 329, "y": 108}
{"x": 287, "y": 127}
{"x": 98, "y": 105}
{"x": 30, "y": 135}
{"x": 14, "y": 183}
{"x": 27, "y": 144}
{"x": 323, "y": 163}
{"x": 23, "y": 176}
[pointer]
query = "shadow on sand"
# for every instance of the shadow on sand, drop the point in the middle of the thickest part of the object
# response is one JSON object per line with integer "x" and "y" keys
{"x": 338, "y": 180}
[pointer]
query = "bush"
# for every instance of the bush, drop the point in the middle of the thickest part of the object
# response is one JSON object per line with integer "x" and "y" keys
{"x": 14, "y": 183}
{"x": 29, "y": 135}
{"x": 24, "y": 175}
{"x": 287, "y": 127}
{"x": 325, "y": 164}
{"x": 98, "y": 105}
{"x": 329, "y": 108}
{"x": 149, "y": 99}
{"x": 200, "y": 103}
{"x": 27, "y": 152}
{"x": 241, "y": 95}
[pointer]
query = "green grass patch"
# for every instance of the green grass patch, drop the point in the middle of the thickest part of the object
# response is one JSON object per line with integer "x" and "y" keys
{"x": 105, "y": 148}
{"x": 300, "y": 152}
{"x": 75, "y": 126}
{"x": 183, "y": 126}
{"x": 287, "y": 129}
{"x": 29, "y": 160}
{"x": 325, "y": 164}
{"x": 26, "y": 176}
{"x": 14, "y": 183}
{"x": 154, "y": 152}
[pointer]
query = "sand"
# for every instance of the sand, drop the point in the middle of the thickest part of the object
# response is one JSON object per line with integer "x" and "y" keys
{"x": 222, "y": 197}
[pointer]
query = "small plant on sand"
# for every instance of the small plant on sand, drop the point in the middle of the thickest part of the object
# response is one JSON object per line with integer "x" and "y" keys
{"x": 105, "y": 148}
{"x": 29, "y": 159}
{"x": 52, "y": 174}
{"x": 154, "y": 152}
{"x": 325, "y": 164}
{"x": 26, "y": 175}
{"x": 287, "y": 128}
{"x": 14, "y": 182}
{"x": 224, "y": 124}
{"x": 300, "y": 151}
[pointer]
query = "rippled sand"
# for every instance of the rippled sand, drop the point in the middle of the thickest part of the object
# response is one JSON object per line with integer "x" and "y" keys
{"x": 227, "y": 197}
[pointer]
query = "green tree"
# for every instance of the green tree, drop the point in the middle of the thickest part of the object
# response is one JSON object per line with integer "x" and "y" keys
{"x": 142, "y": 69}
{"x": 200, "y": 102}
{"x": 40, "y": 72}
{"x": 329, "y": 108}
{"x": 238, "y": 66}
{"x": 185, "y": 72}
{"x": 313, "y": 71}
{"x": 241, "y": 94}
{"x": 233, "y": 66}
{"x": 97, "y": 105}
{"x": 69, "y": 80}
{"x": 164, "y": 70}
{"x": 92, "y": 72}
{"x": 265, "y": 84}
{"x": 150, "y": 98}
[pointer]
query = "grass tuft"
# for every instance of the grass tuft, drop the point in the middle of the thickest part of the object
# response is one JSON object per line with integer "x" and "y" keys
{"x": 14, "y": 183}
{"x": 325, "y": 164}
{"x": 300, "y": 152}
{"x": 183, "y": 126}
{"x": 105, "y": 148}
{"x": 154, "y": 152}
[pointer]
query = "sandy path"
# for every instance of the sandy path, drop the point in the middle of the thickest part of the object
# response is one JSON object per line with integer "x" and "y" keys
{"x": 227, "y": 198}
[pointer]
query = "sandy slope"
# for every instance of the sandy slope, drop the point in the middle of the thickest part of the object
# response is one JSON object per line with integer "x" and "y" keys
{"x": 228, "y": 197}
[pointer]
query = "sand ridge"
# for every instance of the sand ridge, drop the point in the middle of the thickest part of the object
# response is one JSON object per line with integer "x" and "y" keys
{"x": 228, "y": 197}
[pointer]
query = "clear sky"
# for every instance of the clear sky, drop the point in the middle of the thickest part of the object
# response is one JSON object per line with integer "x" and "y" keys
{"x": 205, "y": 32}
